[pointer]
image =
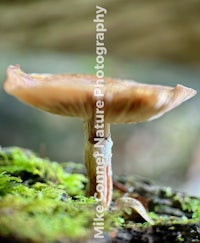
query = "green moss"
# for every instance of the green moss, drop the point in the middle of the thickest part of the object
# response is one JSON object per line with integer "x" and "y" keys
{"x": 43, "y": 201}
{"x": 37, "y": 199}
{"x": 189, "y": 204}
{"x": 167, "y": 192}
{"x": 31, "y": 169}
{"x": 179, "y": 238}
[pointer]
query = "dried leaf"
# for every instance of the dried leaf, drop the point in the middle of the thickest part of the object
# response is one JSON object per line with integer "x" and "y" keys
{"x": 135, "y": 205}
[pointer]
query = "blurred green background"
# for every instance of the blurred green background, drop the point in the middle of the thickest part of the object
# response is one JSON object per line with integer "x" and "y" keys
{"x": 148, "y": 41}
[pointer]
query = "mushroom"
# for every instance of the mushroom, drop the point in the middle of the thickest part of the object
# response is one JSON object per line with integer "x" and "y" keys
{"x": 98, "y": 103}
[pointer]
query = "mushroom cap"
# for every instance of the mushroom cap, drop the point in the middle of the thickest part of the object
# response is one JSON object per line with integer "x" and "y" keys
{"x": 73, "y": 95}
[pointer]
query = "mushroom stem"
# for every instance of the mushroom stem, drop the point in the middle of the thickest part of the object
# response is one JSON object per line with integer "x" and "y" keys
{"x": 98, "y": 161}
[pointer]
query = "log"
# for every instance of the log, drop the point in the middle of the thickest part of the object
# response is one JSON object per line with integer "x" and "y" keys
{"x": 43, "y": 201}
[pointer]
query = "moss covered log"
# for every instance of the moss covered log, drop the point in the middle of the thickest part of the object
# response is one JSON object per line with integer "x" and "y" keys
{"x": 43, "y": 201}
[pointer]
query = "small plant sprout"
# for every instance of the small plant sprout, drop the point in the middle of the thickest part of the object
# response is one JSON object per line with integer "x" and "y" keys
{"x": 73, "y": 95}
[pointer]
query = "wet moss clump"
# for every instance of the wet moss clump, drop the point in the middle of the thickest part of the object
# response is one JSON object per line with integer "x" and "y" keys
{"x": 40, "y": 201}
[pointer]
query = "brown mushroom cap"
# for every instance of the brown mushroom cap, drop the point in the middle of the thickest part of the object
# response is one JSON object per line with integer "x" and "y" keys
{"x": 73, "y": 95}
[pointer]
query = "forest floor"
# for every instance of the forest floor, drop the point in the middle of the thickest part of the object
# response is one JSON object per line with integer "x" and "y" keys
{"x": 43, "y": 201}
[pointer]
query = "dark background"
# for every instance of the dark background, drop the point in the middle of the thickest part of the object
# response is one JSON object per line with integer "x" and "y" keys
{"x": 147, "y": 41}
